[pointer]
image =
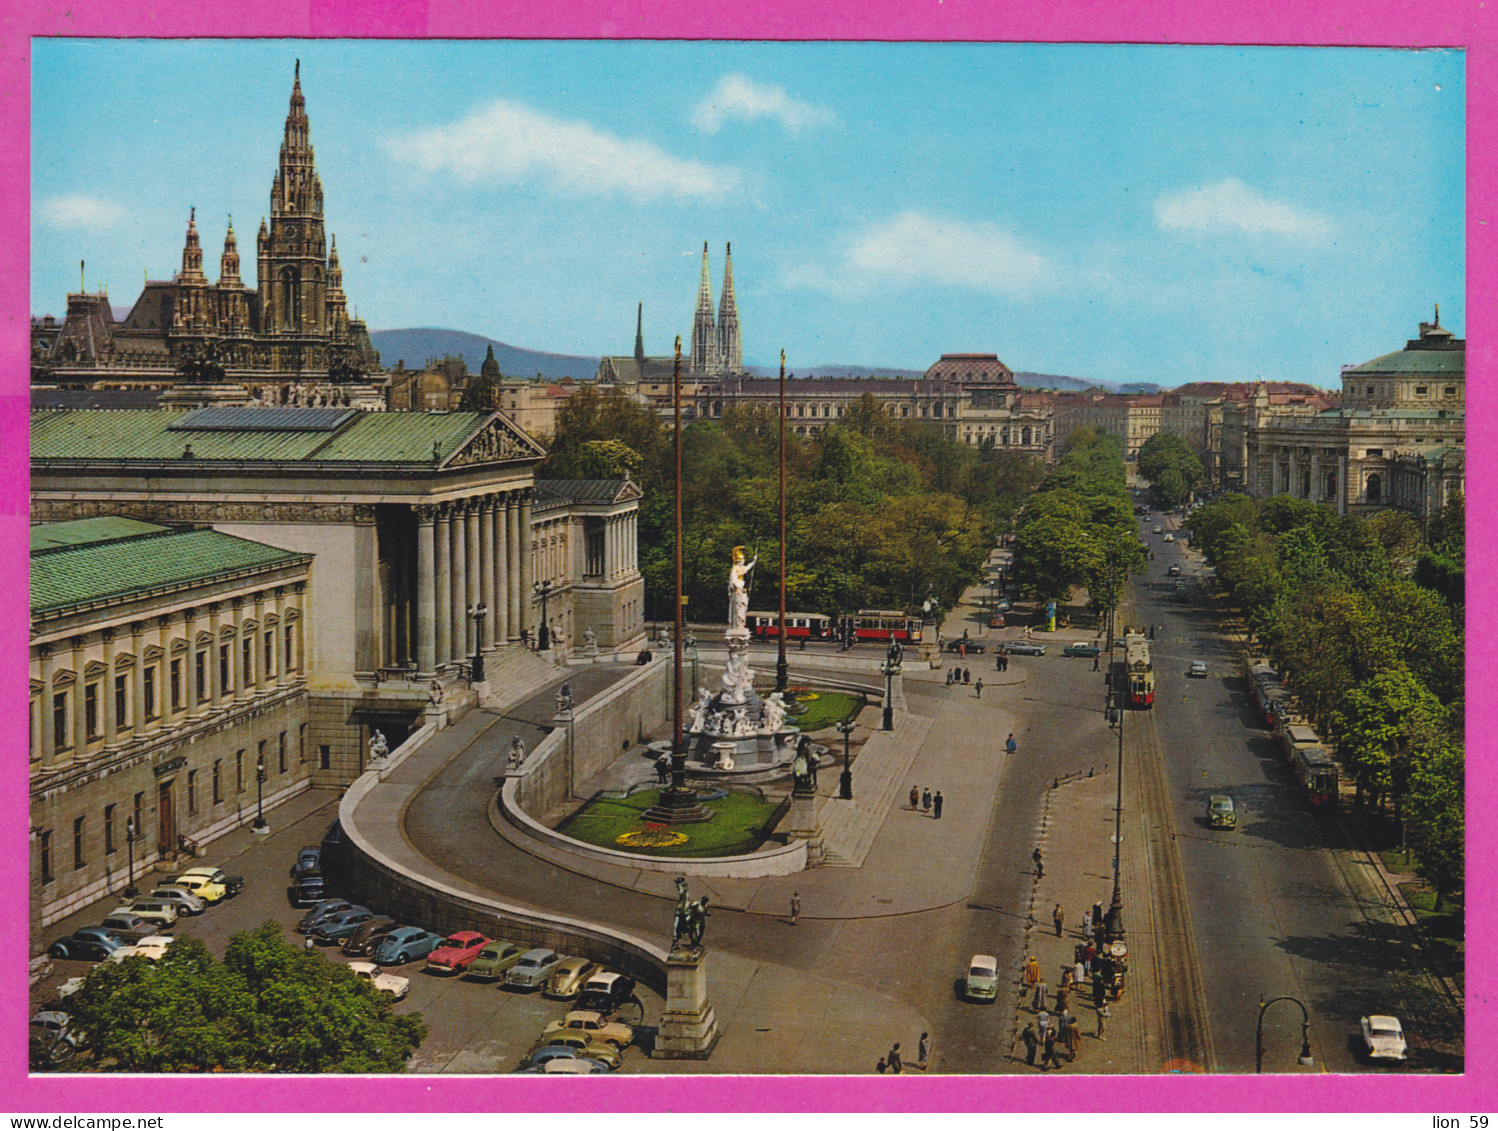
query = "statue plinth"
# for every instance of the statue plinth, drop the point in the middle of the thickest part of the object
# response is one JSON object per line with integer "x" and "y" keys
{"x": 678, "y": 807}
{"x": 801, "y": 823}
{"x": 689, "y": 1028}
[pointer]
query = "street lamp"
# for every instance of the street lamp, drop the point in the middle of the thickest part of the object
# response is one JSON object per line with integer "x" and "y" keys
{"x": 131, "y": 891}
{"x": 890, "y": 669}
{"x": 543, "y": 635}
{"x": 259, "y": 825}
{"x": 1114, "y": 917}
{"x": 477, "y": 614}
{"x": 1305, "y": 1033}
{"x": 845, "y": 782}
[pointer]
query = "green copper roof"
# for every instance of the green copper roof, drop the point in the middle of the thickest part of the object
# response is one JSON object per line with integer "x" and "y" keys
{"x": 163, "y": 434}
{"x": 98, "y": 570}
{"x": 1431, "y": 362}
{"x": 51, "y": 535}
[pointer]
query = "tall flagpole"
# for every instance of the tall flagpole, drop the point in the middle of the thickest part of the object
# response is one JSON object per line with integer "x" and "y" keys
{"x": 782, "y": 673}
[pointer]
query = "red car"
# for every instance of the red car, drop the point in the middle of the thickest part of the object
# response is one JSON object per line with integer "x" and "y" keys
{"x": 457, "y": 952}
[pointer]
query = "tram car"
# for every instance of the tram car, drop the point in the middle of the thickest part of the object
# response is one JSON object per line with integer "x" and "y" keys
{"x": 1313, "y": 767}
{"x": 798, "y": 626}
{"x": 1138, "y": 669}
{"x": 881, "y": 625}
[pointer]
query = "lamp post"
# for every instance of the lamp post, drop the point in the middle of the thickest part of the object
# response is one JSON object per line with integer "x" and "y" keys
{"x": 478, "y": 613}
{"x": 1114, "y": 917}
{"x": 845, "y": 781}
{"x": 889, "y": 670}
{"x": 260, "y": 826}
{"x": 131, "y": 891}
{"x": 543, "y": 634}
{"x": 1305, "y": 1058}
{"x": 782, "y": 669}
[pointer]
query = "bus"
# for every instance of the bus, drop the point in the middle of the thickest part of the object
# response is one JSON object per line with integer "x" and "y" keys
{"x": 881, "y": 624}
{"x": 805, "y": 626}
{"x": 1140, "y": 673}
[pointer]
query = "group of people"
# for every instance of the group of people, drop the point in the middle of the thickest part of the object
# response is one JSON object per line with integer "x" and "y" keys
{"x": 1055, "y": 1028}
{"x": 922, "y": 800}
{"x": 958, "y": 677}
{"x": 893, "y": 1062}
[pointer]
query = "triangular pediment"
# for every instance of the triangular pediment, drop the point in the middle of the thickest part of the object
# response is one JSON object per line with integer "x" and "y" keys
{"x": 498, "y": 440}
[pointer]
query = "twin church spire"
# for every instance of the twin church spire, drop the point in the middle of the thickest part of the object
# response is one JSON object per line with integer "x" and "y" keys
{"x": 716, "y": 344}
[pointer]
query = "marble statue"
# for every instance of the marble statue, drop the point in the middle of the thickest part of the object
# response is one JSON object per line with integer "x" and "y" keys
{"x": 697, "y": 713}
{"x": 738, "y": 589}
{"x": 773, "y": 712}
{"x": 378, "y": 747}
{"x": 590, "y": 639}
{"x": 517, "y": 752}
{"x": 564, "y": 699}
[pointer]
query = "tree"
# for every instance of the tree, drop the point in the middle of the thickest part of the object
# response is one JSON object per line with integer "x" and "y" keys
{"x": 268, "y": 1007}
{"x": 1172, "y": 468}
{"x": 1381, "y": 723}
{"x": 1436, "y": 815}
{"x": 479, "y": 395}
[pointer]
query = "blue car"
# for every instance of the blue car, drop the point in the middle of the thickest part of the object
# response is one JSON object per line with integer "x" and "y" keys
{"x": 341, "y": 924}
{"x": 93, "y": 943}
{"x": 404, "y": 944}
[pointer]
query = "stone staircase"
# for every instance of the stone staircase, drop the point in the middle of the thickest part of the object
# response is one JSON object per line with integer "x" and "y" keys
{"x": 879, "y": 777}
{"x": 514, "y": 674}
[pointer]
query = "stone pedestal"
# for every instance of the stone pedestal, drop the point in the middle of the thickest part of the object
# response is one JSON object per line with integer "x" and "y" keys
{"x": 802, "y": 824}
{"x": 688, "y": 1029}
{"x": 897, "y": 694}
{"x": 930, "y": 646}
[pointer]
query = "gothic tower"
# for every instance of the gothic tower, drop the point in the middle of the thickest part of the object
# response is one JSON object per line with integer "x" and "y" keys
{"x": 190, "y": 312}
{"x": 336, "y": 320}
{"x": 293, "y": 293}
{"x": 704, "y": 331}
{"x": 730, "y": 347}
{"x": 233, "y": 299}
{"x": 640, "y": 333}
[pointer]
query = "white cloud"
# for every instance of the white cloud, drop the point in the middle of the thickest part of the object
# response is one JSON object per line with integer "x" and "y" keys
{"x": 915, "y": 248}
{"x": 738, "y": 97}
{"x": 505, "y": 142}
{"x": 76, "y": 210}
{"x": 1230, "y": 205}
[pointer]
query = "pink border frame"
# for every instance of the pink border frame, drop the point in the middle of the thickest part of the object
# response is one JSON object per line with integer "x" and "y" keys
{"x": 1443, "y": 23}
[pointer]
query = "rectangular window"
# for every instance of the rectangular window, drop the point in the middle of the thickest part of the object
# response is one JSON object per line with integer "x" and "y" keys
{"x": 177, "y": 685}
{"x": 270, "y": 651}
{"x": 139, "y": 801}
{"x": 122, "y": 701}
{"x": 148, "y": 691}
{"x": 192, "y": 791}
{"x": 60, "y": 721}
{"x": 225, "y": 676}
{"x": 282, "y": 749}
{"x": 239, "y": 771}
{"x": 108, "y": 829}
{"x": 77, "y": 842}
{"x": 1451, "y": 390}
{"x": 1420, "y": 390}
{"x": 47, "y": 876}
{"x": 325, "y": 757}
{"x": 201, "y": 676}
{"x": 290, "y": 662}
{"x": 218, "y": 780}
{"x": 247, "y": 662}
{"x": 91, "y": 710}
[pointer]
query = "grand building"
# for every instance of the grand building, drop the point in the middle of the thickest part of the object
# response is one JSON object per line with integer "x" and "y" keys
{"x": 289, "y": 339}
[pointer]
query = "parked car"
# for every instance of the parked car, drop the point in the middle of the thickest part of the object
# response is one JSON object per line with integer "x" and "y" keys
{"x": 162, "y": 912}
{"x": 1197, "y": 670}
{"x": 1081, "y": 648}
{"x": 368, "y": 935}
{"x": 567, "y": 980}
{"x": 340, "y": 925}
{"x": 1173, "y": 571}
{"x": 129, "y": 926}
{"x": 972, "y": 647}
{"x": 320, "y": 912}
{"x": 1170, "y": 538}
{"x": 392, "y": 984}
{"x": 494, "y": 959}
{"x": 94, "y": 944}
{"x": 1024, "y": 648}
{"x": 606, "y": 991}
{"x": 151, "y": 948}
{"x": 1158, "y": 529}
{"x": 216, "y": 880}
{"x": 1220, "y": 812}
{"x": 982, "y": 981}
{"x": 592, "y": 1024}
{"x": 1383, "y": 1037}
{"x": 404, "y": 944}
{"x": 53, "y": 1040}
{"x": 534, "y": 967}
{"x": 186, "y": 902}
{"x": 457, "y": 951}
{"x": 579, "y": 1044}
{"x": 311, "y": 887}
{"x": 308, "y": 861}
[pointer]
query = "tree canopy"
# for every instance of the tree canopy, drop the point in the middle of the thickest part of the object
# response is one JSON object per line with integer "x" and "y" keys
{"x": 1173, "y": 469}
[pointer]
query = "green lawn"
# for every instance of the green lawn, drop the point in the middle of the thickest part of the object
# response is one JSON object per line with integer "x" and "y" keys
{"x": 827, "y": 708}
{"x": 737, "y": 827}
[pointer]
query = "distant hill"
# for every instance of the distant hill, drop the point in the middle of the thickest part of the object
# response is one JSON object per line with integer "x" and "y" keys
{"x": 417, "y": 347}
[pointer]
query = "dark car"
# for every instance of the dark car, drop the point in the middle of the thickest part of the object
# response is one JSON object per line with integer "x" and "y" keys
{"x": 405, "y": 943}
{"x": 92, "y": 943}
{"x": 308, "y": 862}
{"x": 1081, "y": 648}
{"x": 341, "y": 924}
{"x": 368, "y": 935}
{"x": 1024, "y": 648}
{"x": 128, "y": 925}
{"x": 320, "y": 912}
{"x": 606, "y": 991}
{"x": 973, "y": 647}
{"x": 309, "y": 889}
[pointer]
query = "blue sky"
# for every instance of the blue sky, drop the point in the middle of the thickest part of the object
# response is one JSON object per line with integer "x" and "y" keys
{"x": 1123, "y": 213}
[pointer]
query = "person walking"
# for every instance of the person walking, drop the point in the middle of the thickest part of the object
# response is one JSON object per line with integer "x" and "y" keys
{"x": 1043, "y": 1023}
{"x": 1009, "y": 744}
{"x": 936, "y": 805}
{"x": 1098, "y": 989}
{"x": 1087, "y": 923}
{"x": 1063, "y": 999}
{"x": 795, "y": 907}
{"x": 1073, "y": 1038}
{"x": 1103, "y": 1013}
{"x": 895, "y": 1065}
{"x": 923, "y": 1051}
{"x": 1058, "y": 918}
{"x": 1096, "y": 662}
{"x": 1031, "y": 1042}
{"x": 1042, "y": 993}
{"x": 926, "y": 800}
{"x": 1032, "y": 970}
{"x": 1077, "y": 975}
{"x": 1035, "y": 856}
{"x": 980, "y": 687}
{"x": 881, "y": 1066}
{"x": 915, "y": 797}
{"x": 1049, "y": 1056}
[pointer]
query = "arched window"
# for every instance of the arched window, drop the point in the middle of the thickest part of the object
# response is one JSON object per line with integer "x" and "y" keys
{"x": 1375, "y": 487}
{"x": 1024, "y": 434}
{"x": 291, "y": 298}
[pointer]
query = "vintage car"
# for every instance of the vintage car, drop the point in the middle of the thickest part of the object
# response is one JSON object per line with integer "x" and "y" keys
{"x": 1220, "y": 812}
{"x": 496, "y": 957}
{"x": 92, "y": 943}
{"x": 457, "y": 951}
{"x": 1081, "y": 648}
{"x": 982, "y": 981}
{"x": 404, "y": 944}
{"x": 606, "y": 991}
{"x": 567, "y": 980}
{"x": 534, "y": 967}
{"x": 592, "y": 1024}
{"x": 1023, "y": 648}
{"x": 392, "y": 984}
{"x": 1383, "y": 1037}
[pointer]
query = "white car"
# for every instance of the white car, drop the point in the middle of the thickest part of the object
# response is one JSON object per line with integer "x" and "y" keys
{"x": 982, "y": 981}
{"x": 1158, "y": 529}
{"x": 186, "y": 902}
{"x": 1198, "y": 669}
{"x": 151, "y": 948}
{"x": 392, "y": 984}
{"x": 1170, "y": 538}
{"x": 1383, "y": 1037}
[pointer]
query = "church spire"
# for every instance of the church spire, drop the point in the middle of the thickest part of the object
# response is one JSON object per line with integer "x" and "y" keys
{"x": 704, "y": 329}
{"x": 730, "y": 346}
{"x": 640, "y": 333}
{"x": 192, "y": 252}
{"x": 228, "y": 264}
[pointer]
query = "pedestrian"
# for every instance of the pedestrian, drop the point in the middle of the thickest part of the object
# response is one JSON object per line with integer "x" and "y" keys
{"x": 1066, "y": 977}
{"x": 1011, "y": 746}
{"x": 962, "y": 651}
{"x": 1031, "y": 1042}
{"x": 998, "y": 662}
{"x": 926, "y": 800}
{"x": 894, "y": 1059}
{"x": 1103, "y": 1013}
{"x": 1096, "y": 662}
{"x": 1035, "y": 856}
{"x": 1063, "y": 999}
{"x": 663, "y": 769}
{"x": 1073, "y": 1038}
{"x": 1032, "y": 970}
{"x": 1097, "y": 914}
{"x": 936, "y": 805}
{"x": 881, "y": 1066}
{"x": 923, "y": 1051}
{"x": 1059, "y": 918}
{"x": 1097, "y": 989}
{"x": 1042, "y": 992}
{"x": 915, "y": 798}
{"x": 1049, "y": 1057}
{"x": 1087, "y": 922}
{"x": 1005, "y": 658}
{"x": 1088, "y": 954}
{"x": 949, "y": 679}
{"x": 795, "y": 907}
{"x": 980, "y": 687}
{"x": 1077, "y": 974}
{"x": 1043, "y": 1023}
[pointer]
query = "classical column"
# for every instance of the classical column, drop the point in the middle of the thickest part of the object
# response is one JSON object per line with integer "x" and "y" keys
{"x": 515, "y": 574}
{"x": 442, "y": 609}
{"x": 80, "y": 685}
{"x": 215, "y": 684}
{"x": 277, "y": 639}
{"x": 1316, "y": 493}
{"x": 457, "y": 608}
{"x": 486, "y": 569}
{"x": 165, "y": 708}
{"x": 49, "y": 739}
{"x": 527, "y": 561}
{"x": 190, "y": 660}
{"x": 106, "y": 690}
{"x": 499, "y": 608}
{"x": 298, "y": 625}
{"x": 244, "y": 685}
{"x": 1341, "y": 485}
{"x": 138, "y": 683}
{"x": 426, "y": 591}
{"x": 474, "y": 577}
